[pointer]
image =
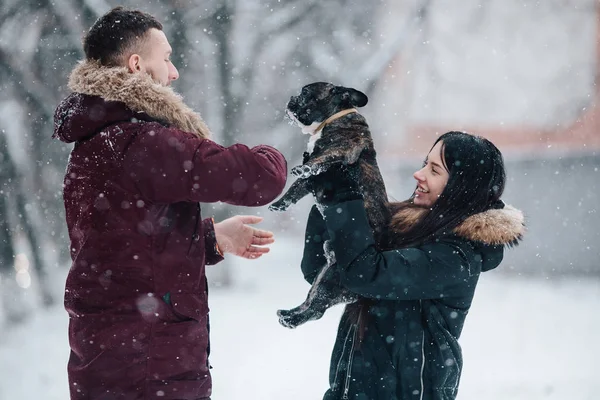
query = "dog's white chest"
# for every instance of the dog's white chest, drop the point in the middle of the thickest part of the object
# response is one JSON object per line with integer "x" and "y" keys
{"x": 311, "y": 142}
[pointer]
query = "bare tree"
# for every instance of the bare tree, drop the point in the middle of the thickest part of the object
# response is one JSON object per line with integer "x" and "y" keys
{"x": 12, "y": 295}
{"x": 31, "y": 34}
{"x": 241, "y": 61}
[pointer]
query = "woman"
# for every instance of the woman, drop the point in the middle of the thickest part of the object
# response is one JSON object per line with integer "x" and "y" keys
{"x": 400, "y": 341}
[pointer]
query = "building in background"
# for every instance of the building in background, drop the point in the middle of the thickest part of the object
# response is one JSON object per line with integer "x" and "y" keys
{"x": 524, "y": 75}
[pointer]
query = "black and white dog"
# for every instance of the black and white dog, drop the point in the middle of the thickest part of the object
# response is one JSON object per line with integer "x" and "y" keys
{"x": 339, "y": 134}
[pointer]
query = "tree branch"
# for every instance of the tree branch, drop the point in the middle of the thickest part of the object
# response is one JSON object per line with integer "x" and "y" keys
{"x": 278, "y": 23}
{"x": 286, "y": 18}
{"x": 70, "y": 17}
{"x": 376, "y": 64}
{"x": 28, "y": 85}
{"x": 11, "y": 12}
{"x": 97, "y": 7}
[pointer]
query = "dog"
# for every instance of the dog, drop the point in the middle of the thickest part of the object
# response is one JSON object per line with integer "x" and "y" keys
{"x": 339, "y": 135}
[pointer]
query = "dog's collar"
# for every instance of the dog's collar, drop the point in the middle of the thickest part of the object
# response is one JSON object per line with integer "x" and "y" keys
{"x": 334, "y": 117}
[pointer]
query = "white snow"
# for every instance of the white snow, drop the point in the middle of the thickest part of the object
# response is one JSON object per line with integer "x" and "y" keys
{"x": 524, "y": 339}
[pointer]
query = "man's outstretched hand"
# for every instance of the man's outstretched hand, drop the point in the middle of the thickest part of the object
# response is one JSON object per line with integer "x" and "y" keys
{"x": 236, "y": 236}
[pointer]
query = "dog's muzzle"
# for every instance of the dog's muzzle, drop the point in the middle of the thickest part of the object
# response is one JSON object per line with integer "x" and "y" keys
{"x": 290, "y": 117}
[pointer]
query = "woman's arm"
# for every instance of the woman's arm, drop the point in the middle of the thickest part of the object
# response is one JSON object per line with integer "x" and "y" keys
{"x": 431, "y": 271}
{"x": 313, "y": 258}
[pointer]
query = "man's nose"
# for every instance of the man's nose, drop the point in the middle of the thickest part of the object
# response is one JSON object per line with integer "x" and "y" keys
{"x": 174, "y": 74}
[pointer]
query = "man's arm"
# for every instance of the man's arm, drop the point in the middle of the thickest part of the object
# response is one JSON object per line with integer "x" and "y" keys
{"x": 168, "y": 165}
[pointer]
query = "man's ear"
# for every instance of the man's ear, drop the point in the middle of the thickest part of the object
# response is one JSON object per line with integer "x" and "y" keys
{"x": 134, "y": 63}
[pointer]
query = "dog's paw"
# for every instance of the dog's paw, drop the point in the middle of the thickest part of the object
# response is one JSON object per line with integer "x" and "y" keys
{"x": 294, "y": 318}
{"x": 278, "y": 206}
{"x": 302, "y": 171}
{"x": 284, "y": 317}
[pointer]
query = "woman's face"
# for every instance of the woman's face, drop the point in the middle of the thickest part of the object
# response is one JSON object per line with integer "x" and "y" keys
{"x": 431, "y": 179}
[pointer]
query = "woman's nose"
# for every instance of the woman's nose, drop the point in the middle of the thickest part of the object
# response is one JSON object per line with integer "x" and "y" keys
{"x": 418, "y": 175}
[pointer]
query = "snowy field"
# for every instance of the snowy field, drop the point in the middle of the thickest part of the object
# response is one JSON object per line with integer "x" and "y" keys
{"x": 525, "y": 339}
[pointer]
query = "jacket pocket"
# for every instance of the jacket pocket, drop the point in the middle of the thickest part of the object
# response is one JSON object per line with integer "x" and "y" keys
{"x": 445, "y": 368}
{"x": 189, "y": 306}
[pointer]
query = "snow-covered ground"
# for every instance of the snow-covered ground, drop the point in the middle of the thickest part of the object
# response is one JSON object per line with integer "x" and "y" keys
{"x": 525, "y": 339}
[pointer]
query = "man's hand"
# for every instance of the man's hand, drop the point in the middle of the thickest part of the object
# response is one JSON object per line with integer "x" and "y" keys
{"x": 235, "y": 236}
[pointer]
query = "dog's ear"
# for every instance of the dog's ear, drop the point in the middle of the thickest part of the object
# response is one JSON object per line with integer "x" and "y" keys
{"x": 353, "y": 96}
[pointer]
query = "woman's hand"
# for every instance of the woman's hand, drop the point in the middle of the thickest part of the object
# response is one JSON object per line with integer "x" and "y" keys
{"x": 337, "y": 184}
{"x": 235, "y": 236}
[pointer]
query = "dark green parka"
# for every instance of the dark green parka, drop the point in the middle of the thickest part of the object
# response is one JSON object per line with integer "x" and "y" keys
{"x": 419, "y": 297}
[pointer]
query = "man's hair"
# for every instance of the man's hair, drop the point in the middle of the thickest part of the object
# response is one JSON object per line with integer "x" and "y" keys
{"x": 116, "y": 33}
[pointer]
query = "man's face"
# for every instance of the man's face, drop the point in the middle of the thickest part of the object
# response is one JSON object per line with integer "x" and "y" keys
{"x": 155, "y": 58}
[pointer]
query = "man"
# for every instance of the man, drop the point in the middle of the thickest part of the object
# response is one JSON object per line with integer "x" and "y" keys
{"x": 136, "y": 293}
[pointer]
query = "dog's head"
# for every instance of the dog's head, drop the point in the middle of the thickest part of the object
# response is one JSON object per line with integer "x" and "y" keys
{"x": 320, "y": 100}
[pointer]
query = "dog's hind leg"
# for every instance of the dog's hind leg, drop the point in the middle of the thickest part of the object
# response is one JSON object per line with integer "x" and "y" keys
{"x": 324, "y": 293}
{"x": 307, "y": 311}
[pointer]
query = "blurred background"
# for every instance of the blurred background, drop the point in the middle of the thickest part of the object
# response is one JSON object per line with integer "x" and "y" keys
{"x": 522, "y": 73}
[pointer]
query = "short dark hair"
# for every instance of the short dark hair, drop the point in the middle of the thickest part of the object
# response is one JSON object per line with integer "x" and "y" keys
{"x": 115, "y": 33}
{"x": 475, "y": 184}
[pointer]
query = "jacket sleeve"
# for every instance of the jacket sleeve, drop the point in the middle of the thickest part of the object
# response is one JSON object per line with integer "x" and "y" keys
{"x": 213, "y": 254}
{"x": 313, "y": 258}
{"x": 430, "y": 271}
{"x": 168, "y": 165}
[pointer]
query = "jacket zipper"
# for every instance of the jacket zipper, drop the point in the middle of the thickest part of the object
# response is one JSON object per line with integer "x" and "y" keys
{"x": 422, "y": 354}
{"x": 196, "y": 236}
{"x": 337, "y": 370}
{"x": 207, "y": 328}
{"x": 349, "y": 366}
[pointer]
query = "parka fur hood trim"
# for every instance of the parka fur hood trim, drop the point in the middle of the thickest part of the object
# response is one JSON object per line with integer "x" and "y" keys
{"x": 139, "y": 92}
{"x": 504, "y": 226}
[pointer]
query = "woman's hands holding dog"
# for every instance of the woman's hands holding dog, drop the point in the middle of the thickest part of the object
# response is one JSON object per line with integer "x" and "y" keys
{"x": 234, "y": 235}
{"x": 337, "y": 184}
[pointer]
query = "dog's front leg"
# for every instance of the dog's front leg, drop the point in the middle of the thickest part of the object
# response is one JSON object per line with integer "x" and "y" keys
{"x": 316, "y": 166}
{"x": 297, "y": 191}
{"x": 319, "y": 164}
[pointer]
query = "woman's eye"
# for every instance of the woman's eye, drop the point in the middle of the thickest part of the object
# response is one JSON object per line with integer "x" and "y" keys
{"x": 434, "y": 171}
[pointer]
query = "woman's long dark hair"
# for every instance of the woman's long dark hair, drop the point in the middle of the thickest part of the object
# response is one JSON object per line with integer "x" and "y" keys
{"x": 475, "y": 184}
{"x": 476, "y": 180}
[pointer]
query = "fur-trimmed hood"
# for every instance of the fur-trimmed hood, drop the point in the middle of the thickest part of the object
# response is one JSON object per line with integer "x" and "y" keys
{"x": 142, "y": 96}
{"x": 494, "y": 227}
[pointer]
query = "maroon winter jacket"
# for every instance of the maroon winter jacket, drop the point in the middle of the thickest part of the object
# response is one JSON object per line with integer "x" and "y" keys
{"x": 136, "y": 292}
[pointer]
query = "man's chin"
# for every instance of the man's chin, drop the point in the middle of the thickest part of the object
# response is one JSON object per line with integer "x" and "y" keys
{"x": 158, "y": 81}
